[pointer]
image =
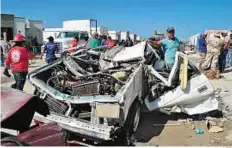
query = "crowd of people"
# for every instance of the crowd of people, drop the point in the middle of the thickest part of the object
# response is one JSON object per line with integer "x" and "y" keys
{"x": 104, "y": 40}
{"x": 215, "y": 51}
{"x": 98, "y": 41}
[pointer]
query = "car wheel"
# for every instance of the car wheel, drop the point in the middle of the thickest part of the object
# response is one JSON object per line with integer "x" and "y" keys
{"x": 132, "y": 122}
{"x": 136, "y": 119}
{"x": 13, "y": 140}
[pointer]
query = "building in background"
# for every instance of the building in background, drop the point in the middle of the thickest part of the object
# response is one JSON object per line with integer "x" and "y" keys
{"x": 88, "y": 25}
{"x": 125, "y": 34}
{"x": 100, "y": 30}
{"x": 115, "y": 35}
{"x": 19, "y": 25}
{"x": 7, "y": 26}
{"x": 11, "y": 25}
{"x": 133, "y": 37}
{"x": 138, "y": 38}
{"x": 35, "y": 28}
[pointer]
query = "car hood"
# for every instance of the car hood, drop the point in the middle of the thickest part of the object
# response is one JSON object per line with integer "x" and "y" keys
{"x": 18, "y": 107}
{"x": 12, "y": 100}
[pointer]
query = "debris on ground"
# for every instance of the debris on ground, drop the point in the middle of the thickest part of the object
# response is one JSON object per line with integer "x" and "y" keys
{"x": 215, "y": 125}
{"x": 170, "y": 124}
{"x": 193, "y": 126}
{"x": 182, "y": 120}
{"x": 215, "y": 129}
{"x": 221, "y": 124}
{"x": 212, "y": 123}
{"x": 189, "y": 120}
{"x": 210, "y": 118}
{"x": 199, "y": 131}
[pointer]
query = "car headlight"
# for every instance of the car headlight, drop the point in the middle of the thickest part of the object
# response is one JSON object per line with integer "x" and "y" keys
{"x": 107, "y": 110}
{"x": 29, "y": 88}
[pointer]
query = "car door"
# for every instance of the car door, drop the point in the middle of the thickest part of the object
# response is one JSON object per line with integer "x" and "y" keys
{"x": 197, "y": 92}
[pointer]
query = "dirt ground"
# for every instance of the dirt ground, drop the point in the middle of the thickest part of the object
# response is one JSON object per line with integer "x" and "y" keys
{"x": 151, "y": 131}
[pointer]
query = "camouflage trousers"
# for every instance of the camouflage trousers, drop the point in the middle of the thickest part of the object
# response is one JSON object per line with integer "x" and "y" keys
{"x": 211, "y": 61}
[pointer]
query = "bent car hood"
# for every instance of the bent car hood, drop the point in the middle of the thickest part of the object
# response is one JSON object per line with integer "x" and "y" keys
{"x": 17, "y": 109}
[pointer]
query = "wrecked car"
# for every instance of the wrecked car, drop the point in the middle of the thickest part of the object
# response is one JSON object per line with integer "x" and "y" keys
{"x": 96, "y": 98}
{"x": 17, "y": 111}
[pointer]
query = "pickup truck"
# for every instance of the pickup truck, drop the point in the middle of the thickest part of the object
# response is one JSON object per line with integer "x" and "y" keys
{"x": 98, "y": 96}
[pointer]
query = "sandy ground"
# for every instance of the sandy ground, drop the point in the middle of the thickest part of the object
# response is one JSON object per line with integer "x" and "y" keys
{"x": 174, "y": 133}
{"x": 164, "y": 130}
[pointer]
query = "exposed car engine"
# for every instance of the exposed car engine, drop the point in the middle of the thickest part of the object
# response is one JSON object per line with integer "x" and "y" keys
{"x": 95, "y": 84}
{"x": 61, "y": 78}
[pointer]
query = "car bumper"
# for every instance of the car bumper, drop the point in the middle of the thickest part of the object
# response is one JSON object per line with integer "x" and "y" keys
{"x": 81, "y": 127}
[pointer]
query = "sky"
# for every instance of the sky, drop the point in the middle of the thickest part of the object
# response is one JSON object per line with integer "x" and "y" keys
{"x": 142, "y": 17}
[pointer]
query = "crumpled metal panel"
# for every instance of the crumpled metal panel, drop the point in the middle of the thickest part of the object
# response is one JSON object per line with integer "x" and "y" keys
{"x": 50, "y": 134}
{"x": 11, "y": 101}
{"x": 46, "y": 135}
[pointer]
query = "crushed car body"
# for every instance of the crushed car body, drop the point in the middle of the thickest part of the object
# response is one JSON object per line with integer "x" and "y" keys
{"x": 17, "y": 111}
{"x": 96, "y": 95}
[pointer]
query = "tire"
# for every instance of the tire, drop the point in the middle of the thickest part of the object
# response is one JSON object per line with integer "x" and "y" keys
{"x": 132, "y": 121}
{"x": 13, "y": 140}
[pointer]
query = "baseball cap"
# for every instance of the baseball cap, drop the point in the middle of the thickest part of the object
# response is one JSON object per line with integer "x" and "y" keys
{"x": 170, "y": 29}
{"x": 50, "y": 38}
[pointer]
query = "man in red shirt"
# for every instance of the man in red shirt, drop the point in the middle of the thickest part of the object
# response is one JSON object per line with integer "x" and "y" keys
{"x": 18, "y": 58}
{"x": 74, "y": 42}
{"x": 110, "y": 42}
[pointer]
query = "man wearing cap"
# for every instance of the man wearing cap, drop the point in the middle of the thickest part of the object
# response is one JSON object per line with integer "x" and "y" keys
{"x": 18, "y": 58}
{"x": 50, "y": 48}
{"x": 170, "y": 46}
{"x": 94, "y": 42}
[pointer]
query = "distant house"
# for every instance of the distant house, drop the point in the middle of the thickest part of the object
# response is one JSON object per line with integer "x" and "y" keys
{"x": 11, "y": 25}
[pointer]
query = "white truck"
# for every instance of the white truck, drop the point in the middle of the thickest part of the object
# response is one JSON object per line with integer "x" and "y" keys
{"x": 65, "y": 37}
{"x": 72, "y": 28}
